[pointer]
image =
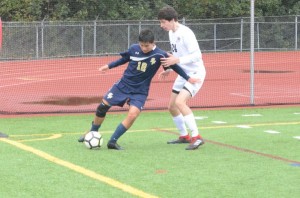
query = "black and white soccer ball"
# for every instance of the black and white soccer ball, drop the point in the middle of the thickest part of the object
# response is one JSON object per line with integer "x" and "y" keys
{"x": 93, "y": 140}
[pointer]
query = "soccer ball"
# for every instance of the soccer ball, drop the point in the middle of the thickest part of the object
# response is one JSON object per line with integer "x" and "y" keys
{"x": 93, "y": 140}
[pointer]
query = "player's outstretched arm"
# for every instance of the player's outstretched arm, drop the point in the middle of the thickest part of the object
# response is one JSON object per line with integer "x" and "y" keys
{"x": 103, "y": 68}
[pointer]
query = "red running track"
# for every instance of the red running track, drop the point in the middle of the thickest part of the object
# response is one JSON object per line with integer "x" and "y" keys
{"x": 75, "y": 84}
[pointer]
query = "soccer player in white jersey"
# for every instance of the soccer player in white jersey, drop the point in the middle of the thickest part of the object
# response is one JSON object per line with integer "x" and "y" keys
{"x": 186, "y": 53}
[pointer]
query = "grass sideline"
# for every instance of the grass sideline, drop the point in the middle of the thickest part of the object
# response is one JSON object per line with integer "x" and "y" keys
{"x": 248, "y": 153}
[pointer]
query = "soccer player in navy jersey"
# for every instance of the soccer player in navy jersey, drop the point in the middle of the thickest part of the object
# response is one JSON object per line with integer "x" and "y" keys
{"x": 144, "y": 60}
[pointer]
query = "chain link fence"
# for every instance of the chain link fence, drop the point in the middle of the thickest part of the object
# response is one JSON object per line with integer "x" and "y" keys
{"x": 40, "y": 40}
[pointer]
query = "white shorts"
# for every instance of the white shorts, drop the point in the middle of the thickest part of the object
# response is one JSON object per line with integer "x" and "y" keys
{"x": 181, "y": 83}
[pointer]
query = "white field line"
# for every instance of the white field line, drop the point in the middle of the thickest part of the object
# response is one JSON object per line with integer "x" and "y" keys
{"x": 271, "y": 131}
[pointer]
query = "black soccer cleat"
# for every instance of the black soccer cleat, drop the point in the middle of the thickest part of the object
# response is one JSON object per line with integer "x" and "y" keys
{"x": 81, "y": 138}
{"x": 195, "y": 143}
{"x": 114, "y": 145}
{"x": 180, "y": 140}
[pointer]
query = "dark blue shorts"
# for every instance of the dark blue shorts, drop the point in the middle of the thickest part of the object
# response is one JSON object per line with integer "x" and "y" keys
{"x": 115, "y": 97}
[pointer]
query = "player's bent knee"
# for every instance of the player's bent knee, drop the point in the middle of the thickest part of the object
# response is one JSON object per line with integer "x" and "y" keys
{"x": 102, "y": 109}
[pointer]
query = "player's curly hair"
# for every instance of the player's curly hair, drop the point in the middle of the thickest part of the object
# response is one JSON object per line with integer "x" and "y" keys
{"x": 167, "y": 13}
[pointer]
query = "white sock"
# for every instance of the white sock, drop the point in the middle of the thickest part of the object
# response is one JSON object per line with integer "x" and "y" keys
{"x": 179, "y": 122}
{"x": 191, "y": 124}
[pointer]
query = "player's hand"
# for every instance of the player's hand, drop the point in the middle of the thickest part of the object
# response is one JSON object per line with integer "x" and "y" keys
{"x": 171, "y": 60}
{"x": 164, "y": 74}
{"x": 194, "y": 80}
{"x": 103, "y": 68}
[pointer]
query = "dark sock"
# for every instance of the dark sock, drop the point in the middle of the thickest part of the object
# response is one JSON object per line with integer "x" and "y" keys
{"x": 95, "y": 127}
{"x": 120, "y": 130}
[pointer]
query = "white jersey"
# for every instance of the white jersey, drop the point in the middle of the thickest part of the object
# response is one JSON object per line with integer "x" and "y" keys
{"x": 185, "y": 46}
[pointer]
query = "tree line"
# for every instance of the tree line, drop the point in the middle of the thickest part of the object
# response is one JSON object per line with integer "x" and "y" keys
{"x": 86, "y": 10}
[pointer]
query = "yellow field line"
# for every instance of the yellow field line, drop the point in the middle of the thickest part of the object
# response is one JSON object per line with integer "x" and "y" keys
{"x": 143, "y": 130}
{"x": 261, "y": 124}
{"x": 79, "y": 169}
{"x": 54, "y": 136}
{"x": 234, "y": 126}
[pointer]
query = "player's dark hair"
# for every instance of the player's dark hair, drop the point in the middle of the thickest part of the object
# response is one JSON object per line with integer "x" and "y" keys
{"x": 146, "y": 36}
{"x": 167, "y": 13}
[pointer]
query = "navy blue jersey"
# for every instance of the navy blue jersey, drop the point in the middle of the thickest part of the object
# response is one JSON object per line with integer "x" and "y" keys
{"x": 141, "y": 69}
